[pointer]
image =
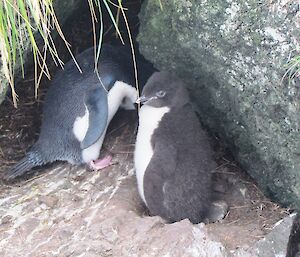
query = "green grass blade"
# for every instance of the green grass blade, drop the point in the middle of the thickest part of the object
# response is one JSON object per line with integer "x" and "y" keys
{"x": 113, "y": 19}
{"x": 100, "y": 36}
{"x": 131, "y": 46}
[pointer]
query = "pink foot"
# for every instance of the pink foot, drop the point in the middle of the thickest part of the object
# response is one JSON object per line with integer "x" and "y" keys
{"x": 101, "y": 163}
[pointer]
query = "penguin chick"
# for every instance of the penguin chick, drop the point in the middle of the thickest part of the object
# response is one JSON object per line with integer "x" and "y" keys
{"x": 78, "y": 108}
{"x": 173, "y": 158}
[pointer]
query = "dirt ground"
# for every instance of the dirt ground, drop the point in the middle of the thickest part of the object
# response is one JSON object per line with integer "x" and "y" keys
{"x": 251, "y": 215}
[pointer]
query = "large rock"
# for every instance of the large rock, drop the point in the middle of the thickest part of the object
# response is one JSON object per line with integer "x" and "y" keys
{"x": 64, "y": 9}
{"x": 273, "y": 244}
{"x": 233, "y": 55}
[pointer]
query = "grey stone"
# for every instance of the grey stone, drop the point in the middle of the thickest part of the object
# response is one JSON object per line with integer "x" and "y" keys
{"x": 273, "y": 244}
{"x": 48, "y": 200}
{"x": 233, "y": 54}
{"x": 64, "y": 9}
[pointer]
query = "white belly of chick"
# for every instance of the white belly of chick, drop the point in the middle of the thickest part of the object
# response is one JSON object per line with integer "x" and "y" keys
{"x": 149, "y": 118}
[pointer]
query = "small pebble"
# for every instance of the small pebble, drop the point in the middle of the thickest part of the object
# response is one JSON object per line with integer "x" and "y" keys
{"x": 49, "y": 200}
{"x": 6, "y": 219}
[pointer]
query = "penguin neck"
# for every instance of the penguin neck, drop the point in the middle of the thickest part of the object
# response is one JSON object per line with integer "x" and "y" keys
{"x": 116, "y": 94}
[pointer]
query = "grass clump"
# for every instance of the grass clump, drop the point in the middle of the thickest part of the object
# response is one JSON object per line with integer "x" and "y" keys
{"x": 293, "y": 69}
{"x": 21, "y": 20}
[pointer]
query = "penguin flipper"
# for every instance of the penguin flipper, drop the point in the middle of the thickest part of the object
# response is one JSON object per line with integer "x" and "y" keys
{"x": 161, "y": 167}
{"x": 164, "y": 159}
{"x": 96, "y": 103}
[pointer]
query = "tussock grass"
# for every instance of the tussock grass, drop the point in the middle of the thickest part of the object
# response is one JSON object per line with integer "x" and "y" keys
{"x": 22, "y": 19}
{"x": 115, "y": 21}
{"x": 293, "y": 68}
{"x": 160, "y": 4}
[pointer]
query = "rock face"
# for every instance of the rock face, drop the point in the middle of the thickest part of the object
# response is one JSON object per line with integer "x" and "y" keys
{"x": 271, "y": 244}
{"x": 233, "y": 55}
{"x": 72, "y": 212}
{"x": 92, "y": 214}
{"x": 63, "y": 10}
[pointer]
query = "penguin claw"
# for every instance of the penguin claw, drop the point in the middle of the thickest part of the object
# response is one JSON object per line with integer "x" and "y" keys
{"x": 101, "y": 163}
{"x": 218, "y": 211}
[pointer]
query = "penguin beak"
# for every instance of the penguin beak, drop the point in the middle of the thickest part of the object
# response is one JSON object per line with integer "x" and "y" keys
{"x": 143, "y": 99}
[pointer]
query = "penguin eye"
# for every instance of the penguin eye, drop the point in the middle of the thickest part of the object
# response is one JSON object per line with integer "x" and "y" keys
{"x": 161, "y": 93}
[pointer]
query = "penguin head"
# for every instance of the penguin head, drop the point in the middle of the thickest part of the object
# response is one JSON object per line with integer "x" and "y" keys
{"x": 164, "y": 89}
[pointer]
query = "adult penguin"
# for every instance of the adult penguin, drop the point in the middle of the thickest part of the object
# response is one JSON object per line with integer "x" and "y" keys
{"x": 79, "y": 106}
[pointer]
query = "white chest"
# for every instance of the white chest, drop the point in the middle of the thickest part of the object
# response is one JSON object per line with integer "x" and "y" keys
{"x": 81, "y": 125}
{"x": 149, "y": 118}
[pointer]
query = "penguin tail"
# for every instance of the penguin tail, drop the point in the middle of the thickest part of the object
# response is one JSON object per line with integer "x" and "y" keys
{"x": 31, "y": 160}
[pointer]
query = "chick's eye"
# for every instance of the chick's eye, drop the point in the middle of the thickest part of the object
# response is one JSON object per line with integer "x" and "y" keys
{"x": 161, "y": 93}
